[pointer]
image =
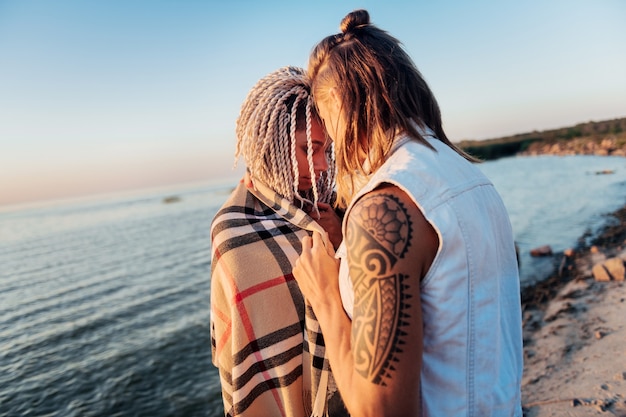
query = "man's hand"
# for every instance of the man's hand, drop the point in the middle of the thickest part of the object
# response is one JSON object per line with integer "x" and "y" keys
{"x": 331, "y": 222}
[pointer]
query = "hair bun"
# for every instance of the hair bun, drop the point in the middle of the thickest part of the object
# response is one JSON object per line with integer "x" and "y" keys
{"x": 355, "y": 19}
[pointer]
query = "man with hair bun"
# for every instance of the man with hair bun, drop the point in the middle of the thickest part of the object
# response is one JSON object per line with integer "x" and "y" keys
{"x": 266, "y": 341}
{"x": 421, "y": 314}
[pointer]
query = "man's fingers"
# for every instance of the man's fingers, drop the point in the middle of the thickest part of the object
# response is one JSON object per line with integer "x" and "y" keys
{"x": 306, "y": 242}
{"x": 317, "y": 239}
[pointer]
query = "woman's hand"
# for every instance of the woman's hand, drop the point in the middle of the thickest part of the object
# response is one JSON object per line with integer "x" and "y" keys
{"x": 316, "y": 272}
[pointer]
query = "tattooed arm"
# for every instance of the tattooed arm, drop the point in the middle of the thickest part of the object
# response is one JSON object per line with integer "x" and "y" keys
{"x": 376, "y": 358}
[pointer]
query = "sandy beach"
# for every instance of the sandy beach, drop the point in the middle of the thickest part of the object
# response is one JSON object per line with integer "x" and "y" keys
{"x": 575, "y": 333}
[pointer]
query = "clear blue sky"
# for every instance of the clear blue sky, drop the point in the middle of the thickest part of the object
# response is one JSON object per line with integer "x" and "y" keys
{"x": 98, "y": 96}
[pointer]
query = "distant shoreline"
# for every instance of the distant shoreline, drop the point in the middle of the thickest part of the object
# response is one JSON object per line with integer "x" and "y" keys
{"x": 147, "y": 191}
{"x": 592, "y": 138}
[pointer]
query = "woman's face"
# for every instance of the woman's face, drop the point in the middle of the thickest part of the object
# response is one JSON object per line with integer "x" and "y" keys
{"x": 320, "y": 162}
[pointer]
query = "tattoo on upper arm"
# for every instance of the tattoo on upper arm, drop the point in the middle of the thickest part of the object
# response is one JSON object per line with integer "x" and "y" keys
{"x": 378, "y": 234}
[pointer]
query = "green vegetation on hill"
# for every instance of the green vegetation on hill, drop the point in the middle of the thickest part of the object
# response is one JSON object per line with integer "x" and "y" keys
{"x": 580, "y": 139}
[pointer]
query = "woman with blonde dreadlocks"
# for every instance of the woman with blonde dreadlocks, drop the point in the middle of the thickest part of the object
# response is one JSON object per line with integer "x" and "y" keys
{"x": 266, "y": 341}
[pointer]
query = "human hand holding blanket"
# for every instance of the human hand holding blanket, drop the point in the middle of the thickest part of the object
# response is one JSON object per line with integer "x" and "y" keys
{"x": 316, "y": 272}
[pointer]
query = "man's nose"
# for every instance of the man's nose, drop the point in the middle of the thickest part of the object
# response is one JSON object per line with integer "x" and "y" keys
{"x": 320, "y": 163}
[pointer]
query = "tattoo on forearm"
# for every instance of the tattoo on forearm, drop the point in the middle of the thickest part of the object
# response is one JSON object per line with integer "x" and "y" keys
{"x": 378, "y": 235}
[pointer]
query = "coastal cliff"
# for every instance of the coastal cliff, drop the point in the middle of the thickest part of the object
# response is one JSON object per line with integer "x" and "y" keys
{"x": 591, "y": 138}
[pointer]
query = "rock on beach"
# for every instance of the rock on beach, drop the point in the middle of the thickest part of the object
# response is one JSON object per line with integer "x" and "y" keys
{"x": 575, "y": 332}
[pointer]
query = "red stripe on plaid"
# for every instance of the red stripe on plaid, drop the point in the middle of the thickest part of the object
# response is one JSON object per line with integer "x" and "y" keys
{"x": 224, "y": 317}
{"x": 245, "y": 319}
{"x": 219, "y": 344}
{"x": 239, "y": 297}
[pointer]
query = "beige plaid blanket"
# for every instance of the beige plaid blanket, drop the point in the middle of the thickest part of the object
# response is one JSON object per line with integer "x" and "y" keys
{"x": 266, "y": 341}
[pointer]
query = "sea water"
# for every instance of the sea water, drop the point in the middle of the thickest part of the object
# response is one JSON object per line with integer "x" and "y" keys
{"x": 555, "y": 200}
{"x": 104, "y": 303}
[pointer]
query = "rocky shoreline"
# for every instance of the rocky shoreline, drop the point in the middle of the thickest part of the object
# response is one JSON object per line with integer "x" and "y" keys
{"x": 614, "y": 145}
{"x": 575, "y": 331}
{"x": 606, "y": 137}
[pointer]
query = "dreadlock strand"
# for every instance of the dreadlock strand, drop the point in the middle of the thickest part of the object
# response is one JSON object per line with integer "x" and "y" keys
{"x": 309, "y": 157}
{"x": 292, "y": 153}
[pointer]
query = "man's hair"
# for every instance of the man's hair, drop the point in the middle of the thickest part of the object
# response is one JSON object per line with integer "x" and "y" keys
{"x": 382, "y": 93}
{"x": 276, "y": 108}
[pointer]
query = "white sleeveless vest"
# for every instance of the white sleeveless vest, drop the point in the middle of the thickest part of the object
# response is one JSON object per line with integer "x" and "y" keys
{"x": 472, "y": 360}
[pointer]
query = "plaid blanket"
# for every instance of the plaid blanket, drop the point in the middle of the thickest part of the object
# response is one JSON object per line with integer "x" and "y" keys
{"x": 266, "y": 340}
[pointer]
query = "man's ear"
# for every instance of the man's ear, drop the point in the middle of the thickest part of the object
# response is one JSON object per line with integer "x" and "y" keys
{"x": 335, "y": 101}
